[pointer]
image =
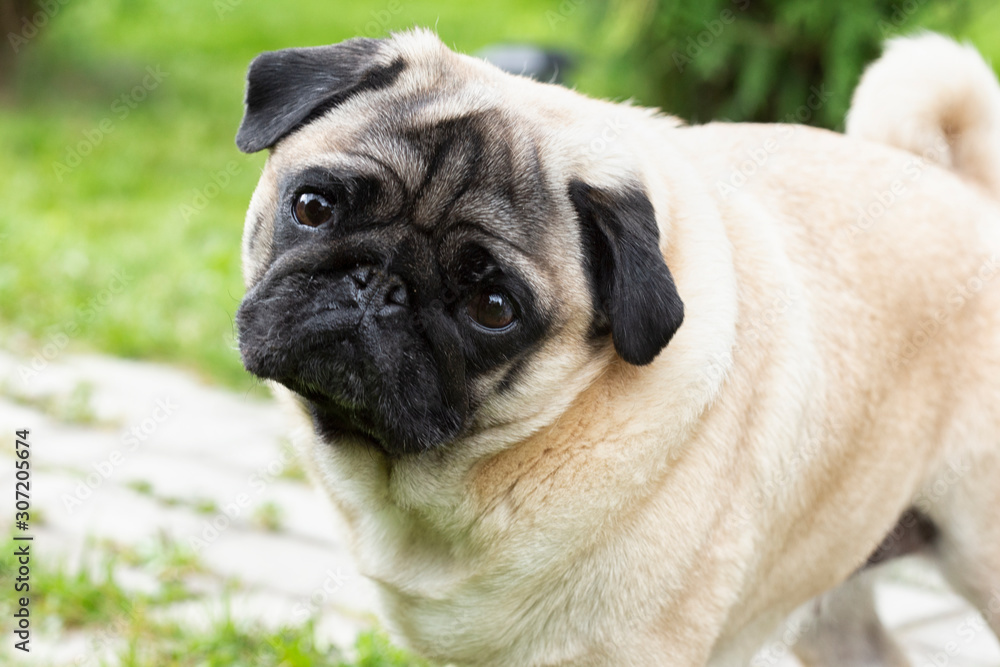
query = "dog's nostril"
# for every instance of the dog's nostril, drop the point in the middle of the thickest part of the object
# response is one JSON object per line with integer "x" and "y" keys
{"x": 397, "y": 295}
{"x": 371, "y": 282}
{"x": 362, "y": 275}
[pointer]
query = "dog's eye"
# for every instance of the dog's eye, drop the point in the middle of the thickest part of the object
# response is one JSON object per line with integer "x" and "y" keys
{"x": 491, "y": 309}
{"x": 312, "y": 209}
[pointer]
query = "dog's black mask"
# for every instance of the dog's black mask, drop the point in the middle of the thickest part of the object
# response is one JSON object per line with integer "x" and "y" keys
{"x": 351, "y": 338}
{"x": 367, "y": 315}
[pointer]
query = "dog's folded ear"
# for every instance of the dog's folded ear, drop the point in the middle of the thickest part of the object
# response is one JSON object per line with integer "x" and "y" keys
{"x": 633, "y": 290}
{"x": 287, "y": 89}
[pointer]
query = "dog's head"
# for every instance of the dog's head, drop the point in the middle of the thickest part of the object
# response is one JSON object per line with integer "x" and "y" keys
{"x": 424, "y": 254}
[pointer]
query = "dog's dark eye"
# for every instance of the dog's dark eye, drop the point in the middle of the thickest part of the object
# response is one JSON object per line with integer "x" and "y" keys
{"x": 312, "y": 209}
{"x": 491, "y": 309}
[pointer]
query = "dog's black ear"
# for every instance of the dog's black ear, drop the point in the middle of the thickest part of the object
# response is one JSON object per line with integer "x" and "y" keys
{"x": 287, "y": 89}
{"x": 634, "y": 293}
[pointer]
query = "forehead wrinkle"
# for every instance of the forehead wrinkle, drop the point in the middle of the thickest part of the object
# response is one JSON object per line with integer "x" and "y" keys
{"x": 481, "y": 207}
{"x": 388, "y": 168}
{"x": 452, "y": 172}
{"x": 442, "y": 238}
{"x": 480, "y": 166}
{"x": 533, "y": 172}
{"x": 450, "y": 147}
{"x": 397, "y": 155}
{"x": 476, "y": 156}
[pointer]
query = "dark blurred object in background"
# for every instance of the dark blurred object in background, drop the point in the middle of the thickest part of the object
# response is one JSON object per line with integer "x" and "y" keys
{"x": 542, "y": 64}
{"x": 17, "y": 25}
{"x": 765, "y": 60}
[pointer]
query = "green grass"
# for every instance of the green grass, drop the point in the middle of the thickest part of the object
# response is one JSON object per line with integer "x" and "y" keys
{"x": 132, "y": 208}
{"x": 89, "y": 600}
{"x": 268, "y": 516}
{"x": 225, "y": 643}
{"x": 141, "y": 486}
{"x": 205, "y": 506}
{"x": 79, "y": 598}
{"x": 73, "y": 407}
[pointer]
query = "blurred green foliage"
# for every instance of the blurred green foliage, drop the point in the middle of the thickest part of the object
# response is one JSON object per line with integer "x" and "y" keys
{"x": 771, "y": 60}
{"x": 122, "y": 197}
{"x": 122, "y": 194}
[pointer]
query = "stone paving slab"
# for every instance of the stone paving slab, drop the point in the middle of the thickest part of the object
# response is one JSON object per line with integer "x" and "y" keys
{"x": 147, "y": 454}
{"x": 926, "y": 617}
{"x": 154, "y": 454}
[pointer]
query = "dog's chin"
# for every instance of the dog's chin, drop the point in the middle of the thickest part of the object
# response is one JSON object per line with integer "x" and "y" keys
{"x": 335, "y": 423}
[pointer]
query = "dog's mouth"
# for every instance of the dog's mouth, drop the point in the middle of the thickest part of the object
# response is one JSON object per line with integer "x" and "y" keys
{"x": 335, "y": 421}
{"x": 373, "y": 383}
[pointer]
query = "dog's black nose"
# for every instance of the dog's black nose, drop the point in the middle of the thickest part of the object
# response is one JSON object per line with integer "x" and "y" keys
{"x": 350, "y": 338}
{"x": 376, "y": 289}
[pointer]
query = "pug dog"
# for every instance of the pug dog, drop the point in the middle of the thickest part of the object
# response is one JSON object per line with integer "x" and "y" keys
{"x": 593, "y": 387}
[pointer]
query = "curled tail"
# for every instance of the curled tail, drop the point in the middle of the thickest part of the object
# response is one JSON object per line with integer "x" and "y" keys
{"x": 936, "y": 98}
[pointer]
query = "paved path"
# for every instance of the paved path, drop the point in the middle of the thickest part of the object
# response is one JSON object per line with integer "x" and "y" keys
{"x": 141, "y": 454}
{"x": 147, "y": 456}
